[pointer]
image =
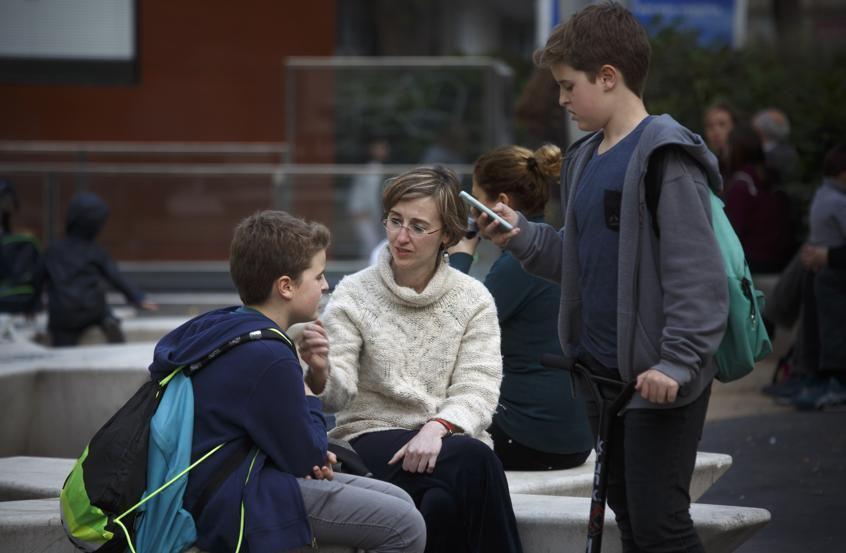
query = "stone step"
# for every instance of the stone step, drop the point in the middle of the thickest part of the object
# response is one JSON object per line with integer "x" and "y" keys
{"x": 32, "y": 477}
{"x": 43, "y": 477}
{"x": 578, "y": 481}
{"x": 546, "y": 524}
{"x": 559, "y": 524}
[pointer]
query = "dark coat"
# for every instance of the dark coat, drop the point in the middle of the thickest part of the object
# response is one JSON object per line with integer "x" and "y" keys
{"x": 77, "y": 268}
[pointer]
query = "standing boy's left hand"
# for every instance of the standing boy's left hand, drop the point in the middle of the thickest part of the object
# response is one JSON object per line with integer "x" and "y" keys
{"x": 657, "y": 387}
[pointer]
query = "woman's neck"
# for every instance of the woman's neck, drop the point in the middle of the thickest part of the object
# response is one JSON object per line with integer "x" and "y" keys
{"x": 416, "y": 279}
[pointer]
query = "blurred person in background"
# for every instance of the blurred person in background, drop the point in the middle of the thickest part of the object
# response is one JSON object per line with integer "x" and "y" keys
{"x": 773, "y": 127}
{"x": 757, "y": 209}
{"x": 538, "y": 424}
{"x": 718, "y": 120}
{"x": 824, "y": 306}
{"x": 365, "y": 209}
{"x": 21, "y": 264}
{"x": 76, "y": 268}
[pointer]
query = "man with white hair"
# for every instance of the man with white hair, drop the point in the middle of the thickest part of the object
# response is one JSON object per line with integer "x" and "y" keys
{"x": 773, "y": 126}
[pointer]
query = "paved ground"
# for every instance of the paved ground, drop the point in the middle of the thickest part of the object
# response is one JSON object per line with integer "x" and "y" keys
{"x": 789, "y": 462}
{"x": 794, "y": 465}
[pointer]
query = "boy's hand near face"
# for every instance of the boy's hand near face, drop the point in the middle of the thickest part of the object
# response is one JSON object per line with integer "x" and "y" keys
{"x": 490, "y": 228}
{"x": 313, "y": 346}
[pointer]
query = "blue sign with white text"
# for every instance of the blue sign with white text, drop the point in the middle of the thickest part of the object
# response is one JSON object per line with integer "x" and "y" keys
{"x": 713, "y": 19}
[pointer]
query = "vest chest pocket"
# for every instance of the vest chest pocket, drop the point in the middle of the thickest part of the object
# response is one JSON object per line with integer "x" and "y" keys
{"x": 612, "y": 200}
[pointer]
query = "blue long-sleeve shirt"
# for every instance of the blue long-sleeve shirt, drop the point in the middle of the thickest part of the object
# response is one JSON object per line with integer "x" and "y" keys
{"x": 536, "y": 407}
{"x": 252, "y": 393}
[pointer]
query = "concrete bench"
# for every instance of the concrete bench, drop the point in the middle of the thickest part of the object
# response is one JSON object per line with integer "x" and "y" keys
{"x": 578, "y": 481}
{"x": 546, "y": 523}
{"x": 43, "y": 477}
{"x": 54, "y": 400}
{"x": 559, "y": 524}
{"x": 32, "y": 477}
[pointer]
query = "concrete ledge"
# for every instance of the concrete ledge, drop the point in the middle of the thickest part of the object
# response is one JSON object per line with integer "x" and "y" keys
{"x": 54, "y": 400}
{"x": 546, "y": 524}
{"x": 578, "y": 481}
{"x": 32, "y": 477}
{"x": 43, "y": 477}
{"x": 559, "y": 524}
{"x": 35, "y": 525}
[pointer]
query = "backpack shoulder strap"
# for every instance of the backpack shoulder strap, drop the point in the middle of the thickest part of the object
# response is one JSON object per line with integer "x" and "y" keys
{"x": 653, "y": 181}
{"x": 263, "y": 334}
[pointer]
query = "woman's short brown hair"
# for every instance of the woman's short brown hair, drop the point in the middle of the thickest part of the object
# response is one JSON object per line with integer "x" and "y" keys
{"x": 600, "y": 34}
{"x": 523, "y": 175}
{"x": 268, "y": 245}
{"x": 438, "y": 183}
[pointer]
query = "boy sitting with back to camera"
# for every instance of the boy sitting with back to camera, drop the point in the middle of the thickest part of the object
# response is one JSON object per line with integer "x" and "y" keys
{"x": 254, "y": 396}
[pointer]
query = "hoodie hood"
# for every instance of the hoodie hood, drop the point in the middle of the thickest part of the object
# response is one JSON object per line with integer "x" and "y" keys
{"x": 660, "y": 131}
{"x": 87, "y": 214}
{"x": 201, "y": 335}
{"x": 663, "y": 131}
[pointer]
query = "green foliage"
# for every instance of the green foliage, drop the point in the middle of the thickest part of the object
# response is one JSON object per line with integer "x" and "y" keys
{"x": 809, "y": 86}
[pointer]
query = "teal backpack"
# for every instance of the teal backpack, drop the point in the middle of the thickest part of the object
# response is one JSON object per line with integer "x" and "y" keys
{"x": 125, "y": 490}
{"x": 746, "y": 340}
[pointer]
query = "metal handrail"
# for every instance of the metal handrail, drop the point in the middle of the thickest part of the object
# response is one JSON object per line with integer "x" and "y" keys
{"x": 170, "y": 148}
{"x": 281, "y": 169}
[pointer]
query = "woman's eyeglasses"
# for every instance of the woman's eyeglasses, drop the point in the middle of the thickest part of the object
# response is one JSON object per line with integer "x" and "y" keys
{"x": 394, "y": 224}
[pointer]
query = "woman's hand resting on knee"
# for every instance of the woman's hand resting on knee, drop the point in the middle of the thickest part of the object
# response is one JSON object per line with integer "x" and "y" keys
{"x": 421, "y": 452}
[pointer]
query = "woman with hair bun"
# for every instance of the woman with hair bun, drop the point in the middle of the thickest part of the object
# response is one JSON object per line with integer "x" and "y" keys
{"x": 538, "y": 425}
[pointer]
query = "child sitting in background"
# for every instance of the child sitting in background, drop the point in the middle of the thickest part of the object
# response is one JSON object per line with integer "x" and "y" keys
{"x": 76, "y": 267}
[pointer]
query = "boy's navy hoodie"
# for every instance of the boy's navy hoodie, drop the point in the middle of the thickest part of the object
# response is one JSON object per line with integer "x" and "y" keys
{"x": 252, "y": 393}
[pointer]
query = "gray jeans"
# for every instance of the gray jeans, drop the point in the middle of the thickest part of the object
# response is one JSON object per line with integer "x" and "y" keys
{"x": 364, "y": 513}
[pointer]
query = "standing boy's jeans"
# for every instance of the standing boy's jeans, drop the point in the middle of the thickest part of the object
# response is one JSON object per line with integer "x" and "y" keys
{"x": 651, "y": 457}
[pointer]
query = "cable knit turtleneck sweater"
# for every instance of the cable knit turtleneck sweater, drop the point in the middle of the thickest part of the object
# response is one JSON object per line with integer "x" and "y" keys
{"x": 398, "y": 358}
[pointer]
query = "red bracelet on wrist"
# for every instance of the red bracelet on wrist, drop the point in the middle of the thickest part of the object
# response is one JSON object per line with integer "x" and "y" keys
{"x": 450, "y": 428}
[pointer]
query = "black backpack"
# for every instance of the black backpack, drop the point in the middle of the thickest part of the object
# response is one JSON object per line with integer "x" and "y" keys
{"x": 102, "y": 494}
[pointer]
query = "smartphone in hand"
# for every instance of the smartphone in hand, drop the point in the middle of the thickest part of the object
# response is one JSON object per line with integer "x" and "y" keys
{"x": 504, "y": 225}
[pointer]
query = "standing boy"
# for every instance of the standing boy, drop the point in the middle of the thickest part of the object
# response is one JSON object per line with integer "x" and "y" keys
{"x": 254, "y": 397}
{"x": 639, "y": 301}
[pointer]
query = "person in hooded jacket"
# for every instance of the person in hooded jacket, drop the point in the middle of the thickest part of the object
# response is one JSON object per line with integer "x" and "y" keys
{"x": 76, "y": 268}
{"x": 635, "y": 306}
{"x": 253, "y": 397}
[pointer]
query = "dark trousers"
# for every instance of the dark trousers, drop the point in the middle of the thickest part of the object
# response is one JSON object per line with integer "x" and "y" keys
{"x": 110, "y": 325}
{"x": 516, "y": 456}
{"x": 464, "y": 501}
{"x": 651, "y": 457}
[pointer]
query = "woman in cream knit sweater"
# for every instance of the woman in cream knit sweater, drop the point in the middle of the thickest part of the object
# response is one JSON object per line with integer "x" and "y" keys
{"x": 410, "y": 360}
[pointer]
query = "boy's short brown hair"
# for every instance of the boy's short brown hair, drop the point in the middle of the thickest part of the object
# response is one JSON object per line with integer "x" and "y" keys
{"x": 268, "y": 245}
{"x": 600, "y": 34}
